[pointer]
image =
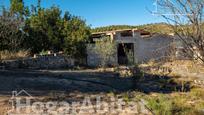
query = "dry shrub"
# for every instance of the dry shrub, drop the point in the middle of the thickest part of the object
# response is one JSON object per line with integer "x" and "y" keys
{"x": 6, "y": 55}
{"x": 190, "y": 103}
{"x": 197, "y": 92}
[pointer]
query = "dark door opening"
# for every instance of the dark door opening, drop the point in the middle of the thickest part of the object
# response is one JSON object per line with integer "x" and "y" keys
{"x": 125, "y": 53}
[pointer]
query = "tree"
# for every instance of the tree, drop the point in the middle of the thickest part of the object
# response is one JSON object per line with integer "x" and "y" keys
{"x": 17, "y": 8}
{"x": 106, "y": 49}
{"x": 11, "y": 36}
{"x": 186, "y": 19}
{"x": 39, "y": 4}
{"x": 44, "y": 30}
{"x": 76, "y": 34}
{"x": 47, "y": 30}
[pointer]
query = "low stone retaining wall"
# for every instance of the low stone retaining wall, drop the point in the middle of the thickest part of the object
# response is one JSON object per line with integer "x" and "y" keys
{"x": 40, "y": 62}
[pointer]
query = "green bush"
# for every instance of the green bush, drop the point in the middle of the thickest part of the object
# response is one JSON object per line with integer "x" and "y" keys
{"x": 161, "y": 105}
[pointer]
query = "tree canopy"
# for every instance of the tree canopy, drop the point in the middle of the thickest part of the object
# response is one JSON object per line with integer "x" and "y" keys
{"x": 43, "y": 29}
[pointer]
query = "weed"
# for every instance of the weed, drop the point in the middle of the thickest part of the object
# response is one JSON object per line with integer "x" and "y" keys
{"x": 6, "y": 55}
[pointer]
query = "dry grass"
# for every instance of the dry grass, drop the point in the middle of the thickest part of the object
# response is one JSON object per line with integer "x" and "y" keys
{"x": 182, "y": 68}
{"x": 6, "y": 55}
{"x": 178, "y": 103}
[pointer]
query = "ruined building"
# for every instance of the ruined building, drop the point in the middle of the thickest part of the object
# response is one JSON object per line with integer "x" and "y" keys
{"x": 143, "y": 45}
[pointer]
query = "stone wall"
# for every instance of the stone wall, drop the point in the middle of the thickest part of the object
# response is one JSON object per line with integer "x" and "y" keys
{"x": 152, "y": 48}
{"x": 39, "y": 62}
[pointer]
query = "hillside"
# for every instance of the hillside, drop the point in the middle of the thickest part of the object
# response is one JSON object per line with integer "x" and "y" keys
{"x": 153, "y": 28}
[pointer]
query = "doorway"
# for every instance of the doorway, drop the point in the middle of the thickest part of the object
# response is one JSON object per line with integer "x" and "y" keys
{"x": 125, "y": 53}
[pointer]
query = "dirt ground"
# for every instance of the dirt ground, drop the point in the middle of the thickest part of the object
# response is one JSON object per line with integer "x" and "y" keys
{"x": 60, "y": 85}
{"x": 76, "y": 85}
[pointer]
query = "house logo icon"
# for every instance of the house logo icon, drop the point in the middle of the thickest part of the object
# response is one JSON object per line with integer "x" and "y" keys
{"x": 19, "y": 100}
{"x": 16, "y": 94}
{"x": 160, "y": 9}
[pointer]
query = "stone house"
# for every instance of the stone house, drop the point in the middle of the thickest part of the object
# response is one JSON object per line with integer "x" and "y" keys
{"x": 143, "y": 45}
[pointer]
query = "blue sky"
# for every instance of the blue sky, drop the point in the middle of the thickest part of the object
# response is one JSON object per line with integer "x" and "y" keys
{"x": 105, "y": 12}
